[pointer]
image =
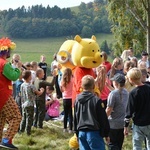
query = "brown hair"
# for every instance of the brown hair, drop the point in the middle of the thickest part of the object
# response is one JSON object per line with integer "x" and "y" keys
{"x": 128, "y": 65}
{"x": 104, "y": 54}
{"x": 26, "y": 74}
{"x": 116, "y": 62}
{"x": 66, "y": 78}
{"x": 88, "y": 82}
{"x": 101, "y": 72}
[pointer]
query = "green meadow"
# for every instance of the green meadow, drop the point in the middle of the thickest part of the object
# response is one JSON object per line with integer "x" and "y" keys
{"x": 31, "y": 49}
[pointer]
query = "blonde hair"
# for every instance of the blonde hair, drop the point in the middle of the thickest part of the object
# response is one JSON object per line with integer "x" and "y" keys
{"x": 39, "y": 71}
{"x": 88, "y": 82}
{"x": 135, "y": 74}
{"x": 125, "y": 55}
{"x": 15, "y": 56}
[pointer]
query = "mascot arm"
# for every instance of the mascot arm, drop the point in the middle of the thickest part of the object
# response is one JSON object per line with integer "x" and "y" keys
{"x": 11, "y": 73}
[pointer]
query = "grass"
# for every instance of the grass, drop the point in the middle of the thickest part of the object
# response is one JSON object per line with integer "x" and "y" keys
{"x": 51, "y": 137}
{"x": 32, "y": 49}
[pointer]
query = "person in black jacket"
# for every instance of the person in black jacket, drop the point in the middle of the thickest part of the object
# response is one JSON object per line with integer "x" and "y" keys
{"x": 138, "y": 108}
{"x": 90, "y": 119}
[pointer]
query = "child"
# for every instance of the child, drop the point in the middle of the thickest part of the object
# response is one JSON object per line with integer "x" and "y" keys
{"x": 138, "y": 108}
{"x": 28, "y": 92}
{"x": 40, "y": 100}
{"x": 116, "y": 105}
{"x": 18, "y": 93}
{"x": 90, "y": 119}
{"x": 117, "y": 67}
{"x": 52, "y": 104}
{"x": 100, "y": 81}
{"x": 66, "y": 88}
{"x": 16, "y": 58}
{"x": 42, "y": 64}
{"x": 34, "y": 66}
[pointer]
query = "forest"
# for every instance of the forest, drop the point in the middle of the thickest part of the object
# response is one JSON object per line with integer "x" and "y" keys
{"x": 41, "y": 22}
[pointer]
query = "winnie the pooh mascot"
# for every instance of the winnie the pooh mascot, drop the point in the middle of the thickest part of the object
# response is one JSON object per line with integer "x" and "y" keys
{"x": 81, "y": 55}
{"x": 85, "y": 56}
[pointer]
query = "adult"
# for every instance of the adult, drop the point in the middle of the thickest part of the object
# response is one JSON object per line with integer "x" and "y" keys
{"x": 9, "y": 111}
{"x": 42, "y": 64}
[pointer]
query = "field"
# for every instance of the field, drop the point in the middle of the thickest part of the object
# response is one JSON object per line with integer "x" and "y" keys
{"x": 31, "y": 49}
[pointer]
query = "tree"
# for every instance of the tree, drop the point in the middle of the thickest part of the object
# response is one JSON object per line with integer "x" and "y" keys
{"x": 130, "y": 18}
{"x": 104, "y": 47}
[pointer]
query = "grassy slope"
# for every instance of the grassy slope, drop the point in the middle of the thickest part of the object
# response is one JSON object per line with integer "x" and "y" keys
{"x": 31, "y": 49}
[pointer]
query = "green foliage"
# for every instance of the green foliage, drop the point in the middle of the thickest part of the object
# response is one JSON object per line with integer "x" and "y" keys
{"x": 38, "y": 21}
{"x": 129, "y": 24}
{"x": 104, "y": 47}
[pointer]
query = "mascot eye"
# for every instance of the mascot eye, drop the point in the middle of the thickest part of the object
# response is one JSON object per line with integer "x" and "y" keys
{"x": 63, "y": 57}
{"x": 93, "y": 50}
{"x": 98, "y": 50}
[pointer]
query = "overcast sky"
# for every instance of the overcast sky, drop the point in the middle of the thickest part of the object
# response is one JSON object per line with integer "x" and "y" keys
{"x": 6, "y": 4}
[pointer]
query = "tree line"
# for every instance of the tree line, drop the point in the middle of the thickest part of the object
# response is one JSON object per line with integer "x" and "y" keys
{"x": 40, "y": 22}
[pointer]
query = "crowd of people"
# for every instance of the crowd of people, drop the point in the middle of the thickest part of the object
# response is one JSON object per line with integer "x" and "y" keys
{"x": 104, "y": 107}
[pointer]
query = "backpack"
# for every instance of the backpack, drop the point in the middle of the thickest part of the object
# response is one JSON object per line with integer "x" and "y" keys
{"x": 53, "y": 109}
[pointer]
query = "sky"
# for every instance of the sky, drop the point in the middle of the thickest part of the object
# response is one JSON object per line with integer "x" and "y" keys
{"x": 5, "y": 4}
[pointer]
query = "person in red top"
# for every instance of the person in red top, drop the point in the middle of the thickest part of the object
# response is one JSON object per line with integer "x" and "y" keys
{"x": 106, "y": 63}
{"x": 9, "y": 111}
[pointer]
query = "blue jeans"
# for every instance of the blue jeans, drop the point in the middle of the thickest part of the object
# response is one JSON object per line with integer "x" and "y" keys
{"x": 140, "y": 133}
{"x": 91, "y": 140}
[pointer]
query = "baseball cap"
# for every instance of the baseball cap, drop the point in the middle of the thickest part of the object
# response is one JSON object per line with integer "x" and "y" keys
{"x": 120, "y": 78}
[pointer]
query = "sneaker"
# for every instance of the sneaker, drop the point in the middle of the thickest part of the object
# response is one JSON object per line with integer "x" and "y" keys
{"x": 8, "y": 146}
{"x": 70, "y": 131}
{"x": 65, "y": 130}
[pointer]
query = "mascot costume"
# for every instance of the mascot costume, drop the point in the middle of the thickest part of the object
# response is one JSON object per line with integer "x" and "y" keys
{"x": 9, "y": 111}
{"x": 85, "y": 56}
{"x": 81, "y": 55}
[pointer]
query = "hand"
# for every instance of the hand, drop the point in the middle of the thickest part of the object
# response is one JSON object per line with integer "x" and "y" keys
{"x": 19, "y": 64}
{"x": 42, "y": 90}
{"x": 107, "y": 139}
{"x": 126, "y": 131}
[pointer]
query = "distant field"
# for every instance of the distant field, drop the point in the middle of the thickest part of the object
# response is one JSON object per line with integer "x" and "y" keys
{"x": 31, "y": 49}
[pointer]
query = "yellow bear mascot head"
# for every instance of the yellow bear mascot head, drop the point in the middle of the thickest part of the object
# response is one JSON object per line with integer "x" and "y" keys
{"x": 86, "y": 52}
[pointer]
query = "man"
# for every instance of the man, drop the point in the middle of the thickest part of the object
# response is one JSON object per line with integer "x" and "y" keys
{"x": 9, "y": 111}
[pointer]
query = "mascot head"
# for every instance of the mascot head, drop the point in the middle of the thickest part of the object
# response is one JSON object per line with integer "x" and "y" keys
{"x": 64, "y": 54}
{"x": 86, "y": 52}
